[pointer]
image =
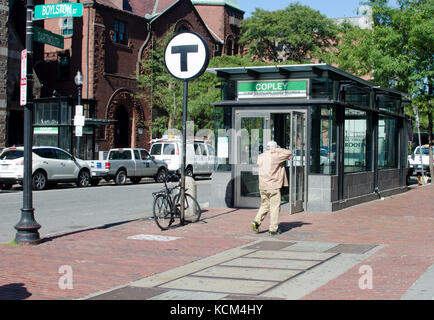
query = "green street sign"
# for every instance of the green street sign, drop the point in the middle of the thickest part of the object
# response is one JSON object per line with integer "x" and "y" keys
{"x": 272, "y": 89}
{"x": 47, "y": 37}
{"x": 58, "y": 10}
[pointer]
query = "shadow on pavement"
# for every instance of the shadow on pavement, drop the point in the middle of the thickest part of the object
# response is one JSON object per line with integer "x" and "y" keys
{"x": 106, "y": 226}
{"x": 14, "y": 291}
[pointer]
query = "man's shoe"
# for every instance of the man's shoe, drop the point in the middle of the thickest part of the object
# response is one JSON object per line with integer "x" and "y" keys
{"x": 274, "y": 233}
{"x": 255, "y": 226}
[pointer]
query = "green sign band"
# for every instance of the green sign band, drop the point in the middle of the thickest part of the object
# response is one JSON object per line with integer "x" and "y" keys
{"x": 47, "y": 37}
{"x": 272, "y": 89}
{"x": 58, "y": 10}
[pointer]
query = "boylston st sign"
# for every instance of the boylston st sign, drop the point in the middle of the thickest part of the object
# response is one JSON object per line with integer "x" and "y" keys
{"x": 58, "y": 10}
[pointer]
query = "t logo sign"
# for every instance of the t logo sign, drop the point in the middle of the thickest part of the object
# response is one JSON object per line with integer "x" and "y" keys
{"x": 186, "y": 56}
{"x": 184, "y": 50}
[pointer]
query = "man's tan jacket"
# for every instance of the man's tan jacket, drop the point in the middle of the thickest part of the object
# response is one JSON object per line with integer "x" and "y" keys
{"x": 271, "y": 165}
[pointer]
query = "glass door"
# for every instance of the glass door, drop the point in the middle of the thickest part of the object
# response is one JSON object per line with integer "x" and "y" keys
{"x": 297, "y": 163}
{"x": 253, "y": 131}
{"x": 252, "y": 135}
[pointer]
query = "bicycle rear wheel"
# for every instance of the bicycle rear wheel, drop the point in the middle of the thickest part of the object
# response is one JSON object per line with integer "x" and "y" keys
{"x": 191, "y": 208}
{"x": 162, "y": 211}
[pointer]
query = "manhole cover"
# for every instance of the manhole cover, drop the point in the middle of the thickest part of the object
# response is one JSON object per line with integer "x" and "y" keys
{"x": 270, "y": 245}
{"x": 351, "y": 248}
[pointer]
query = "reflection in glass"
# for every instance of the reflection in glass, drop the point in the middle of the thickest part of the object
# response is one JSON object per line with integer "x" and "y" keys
{"x": 355, "y": 138}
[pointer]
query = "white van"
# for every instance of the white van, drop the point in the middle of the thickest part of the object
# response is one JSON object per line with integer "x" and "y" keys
{"x": 199, "y": 159}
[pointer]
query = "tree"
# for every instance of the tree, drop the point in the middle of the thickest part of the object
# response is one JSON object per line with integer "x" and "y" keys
{"x": 295, "y": 33}
{"x": 397, "y": 52}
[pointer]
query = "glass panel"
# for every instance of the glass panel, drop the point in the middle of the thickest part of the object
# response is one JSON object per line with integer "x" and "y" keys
{"x": 222, "y": 125}
{"x": 249, "y": 184}
{"x": 388, "y": 103}
{"x": 322, "y": 88}
{"x": 323, "y": 140}
{"x": 252, "y": 139}
{"x": 65, "y": 139}
{"x": 357, "y": 96}
{"x": 387, "y": 142}
{"x": 355, "y": 138}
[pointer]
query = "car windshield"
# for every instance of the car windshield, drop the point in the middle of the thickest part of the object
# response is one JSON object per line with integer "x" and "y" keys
{"x": 11, "y": 154}
{"x": 156, "y": 149}
{"x": 425, "y": 151}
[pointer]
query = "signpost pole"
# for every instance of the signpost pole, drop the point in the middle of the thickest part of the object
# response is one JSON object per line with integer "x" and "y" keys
{"x": 27, "y": 228}
{"x": 184, "y": 147}
{"x": 416, "y": 113}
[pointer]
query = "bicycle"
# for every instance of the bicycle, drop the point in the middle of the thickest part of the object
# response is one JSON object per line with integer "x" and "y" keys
{"x": 167, "y": 206}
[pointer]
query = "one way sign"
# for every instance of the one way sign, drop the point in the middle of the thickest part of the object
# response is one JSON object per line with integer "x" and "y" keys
{"x": 186, "y": 56}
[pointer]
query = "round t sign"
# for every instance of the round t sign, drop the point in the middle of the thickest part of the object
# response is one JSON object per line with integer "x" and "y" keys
{"x": 186, "y": 56}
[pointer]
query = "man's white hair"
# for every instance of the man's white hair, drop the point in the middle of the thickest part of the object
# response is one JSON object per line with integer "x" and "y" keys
{"x": 272, "y": 145}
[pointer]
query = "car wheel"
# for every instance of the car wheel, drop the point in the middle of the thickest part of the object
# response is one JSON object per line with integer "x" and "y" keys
{"x": 83, "y": 179}
{"x": 121, "y": 177}
{"x": 39, "y": 181}
{"x": 161, "y": 175}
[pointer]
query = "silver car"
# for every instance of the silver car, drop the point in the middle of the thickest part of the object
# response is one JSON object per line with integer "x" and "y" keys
{"x": 50, "y": 165}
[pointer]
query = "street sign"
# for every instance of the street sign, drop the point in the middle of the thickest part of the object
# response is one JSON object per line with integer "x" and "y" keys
{"x": 58, "y": 10}
{"x": 186, "y": 56}
{"x": 47, "y": 37}
{"x": 23, "y": 82}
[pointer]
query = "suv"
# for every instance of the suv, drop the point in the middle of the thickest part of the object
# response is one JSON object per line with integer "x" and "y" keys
{"x": 49, "y": 164}
{"x": 199, "y": 159}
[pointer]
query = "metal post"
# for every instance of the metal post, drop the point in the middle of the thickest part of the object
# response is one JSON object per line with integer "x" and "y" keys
{"x": 27, "y": 228}
{"x": 420, "y": 143}
{"x": 78, "y": 137}
{"x": 184, "y": 148}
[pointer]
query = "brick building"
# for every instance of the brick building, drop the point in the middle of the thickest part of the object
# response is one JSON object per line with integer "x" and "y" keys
{"x": 106, "y": 45}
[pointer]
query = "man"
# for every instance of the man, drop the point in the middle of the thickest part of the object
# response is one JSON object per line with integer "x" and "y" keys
{"x": 272, "y": 177}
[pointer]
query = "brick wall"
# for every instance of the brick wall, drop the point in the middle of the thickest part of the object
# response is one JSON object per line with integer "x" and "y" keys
{"x": 4, "y": 14}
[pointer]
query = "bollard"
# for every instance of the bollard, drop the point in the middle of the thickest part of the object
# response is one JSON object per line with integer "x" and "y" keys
{"x": 190, "y": 188}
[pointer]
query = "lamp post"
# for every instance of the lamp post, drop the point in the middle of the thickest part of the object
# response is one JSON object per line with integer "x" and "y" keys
{"x": 27, "y": 228}
{"x": 79, "y": 83}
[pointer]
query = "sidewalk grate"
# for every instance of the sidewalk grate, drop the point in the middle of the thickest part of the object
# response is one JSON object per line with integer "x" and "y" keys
{"x": 351, "y": 248}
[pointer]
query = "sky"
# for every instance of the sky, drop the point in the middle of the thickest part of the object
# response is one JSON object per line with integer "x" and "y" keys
{"x": 331, "y": 8}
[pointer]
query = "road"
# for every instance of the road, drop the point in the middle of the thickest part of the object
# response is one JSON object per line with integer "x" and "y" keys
{"x": 66, "y": 208}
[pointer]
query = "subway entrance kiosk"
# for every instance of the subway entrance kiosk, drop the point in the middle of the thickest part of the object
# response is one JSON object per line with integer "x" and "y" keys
{"x": 348, "y": 137}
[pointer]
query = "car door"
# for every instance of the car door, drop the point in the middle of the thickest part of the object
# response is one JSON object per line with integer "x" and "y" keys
{"x": 69, "y": 166}
{"x": 50, "y": 163}
{"x": 140, "y": 164}
{"x": 149, "y": 165}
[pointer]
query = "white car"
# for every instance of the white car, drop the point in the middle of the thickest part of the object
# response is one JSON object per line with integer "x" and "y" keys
{"x": 199, "y": 159}
{"x": 49, "y": 164}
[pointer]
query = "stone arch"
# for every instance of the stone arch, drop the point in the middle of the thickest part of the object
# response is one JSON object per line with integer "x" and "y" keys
{"x": 183, "y": 25}
{"x": 123, "y": 104}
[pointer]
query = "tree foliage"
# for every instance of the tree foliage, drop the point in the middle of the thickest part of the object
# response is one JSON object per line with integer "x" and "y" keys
{"x": 296, "y": 33}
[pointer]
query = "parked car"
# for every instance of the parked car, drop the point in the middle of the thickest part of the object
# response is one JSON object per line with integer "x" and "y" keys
{"x": 419, "y": 158}
{"x": 199, "y": 157}
{"x": 133, "y": 163}
{"x": 49, "y": 165}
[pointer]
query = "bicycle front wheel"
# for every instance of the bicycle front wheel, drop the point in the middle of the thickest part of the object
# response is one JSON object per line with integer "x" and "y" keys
{"x": 162, "y": 211}
{"x": 191, "y": 208}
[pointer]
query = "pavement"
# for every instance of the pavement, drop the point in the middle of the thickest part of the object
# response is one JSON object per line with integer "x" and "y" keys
{"x": 380, "y": 250}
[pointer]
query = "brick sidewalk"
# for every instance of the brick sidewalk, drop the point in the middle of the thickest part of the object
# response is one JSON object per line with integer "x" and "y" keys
{"x": 104, "y": 258}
